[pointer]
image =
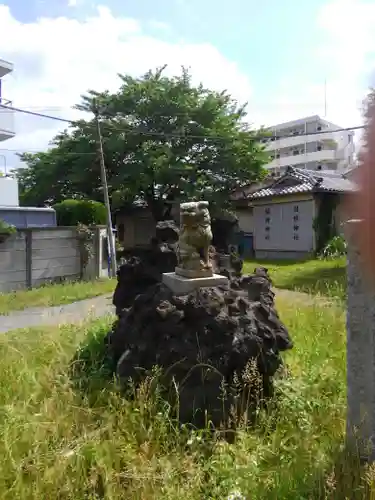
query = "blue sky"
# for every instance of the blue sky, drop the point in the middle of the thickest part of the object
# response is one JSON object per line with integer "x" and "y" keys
{"x": 274, "y": 54}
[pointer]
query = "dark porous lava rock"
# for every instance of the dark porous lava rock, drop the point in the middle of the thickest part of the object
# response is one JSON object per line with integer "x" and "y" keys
{"x": 145, "y": 266}
{"x": 204, "y": 342}
{"x": 133, "y": 278}
{"x": 137, "y": 274}
{"x": 167, "y": 231}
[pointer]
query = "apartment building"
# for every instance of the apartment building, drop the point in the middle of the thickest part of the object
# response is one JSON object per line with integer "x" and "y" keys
{"x": 309, "y": 143}
{"x": 6, "y": 114}
{"x": 8, "y": 185}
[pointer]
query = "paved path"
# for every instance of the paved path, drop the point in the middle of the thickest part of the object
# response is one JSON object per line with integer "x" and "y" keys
{"x": 68, "y": 313}
{"x": 99, "y": 306}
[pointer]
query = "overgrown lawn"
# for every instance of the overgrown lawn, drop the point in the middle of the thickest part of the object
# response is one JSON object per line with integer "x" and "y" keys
{"x": 54, "y": 294}
{"x": 323, "y": 277}
{"x": 78, "y": 438}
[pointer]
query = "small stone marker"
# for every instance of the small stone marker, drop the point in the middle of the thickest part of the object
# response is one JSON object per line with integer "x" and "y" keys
{"x": 194, "y": 268}
{"x": 360, "y": 426}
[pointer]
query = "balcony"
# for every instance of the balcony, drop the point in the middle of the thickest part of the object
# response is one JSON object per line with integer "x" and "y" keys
{"x": 297, "y": 140}
{"x": 5, "y": 67}
{"x": 7, "y": 130}
{"x": 324, "y": 156}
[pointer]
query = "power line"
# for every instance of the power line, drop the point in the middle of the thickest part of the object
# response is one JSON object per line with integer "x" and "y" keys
{"x": 34, "y": 113}
{"x": 166, "y": 135}
{"x": 7, "y": 150}
{"x": 134, "y": 131}
{"x": 251, "y": 109}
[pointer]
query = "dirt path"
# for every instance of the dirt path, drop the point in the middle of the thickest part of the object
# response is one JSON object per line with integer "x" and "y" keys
{"x": 102, "y": 305}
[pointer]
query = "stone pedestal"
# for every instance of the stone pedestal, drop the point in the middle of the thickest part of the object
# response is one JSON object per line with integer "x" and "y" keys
{"x": 360, "y": 352}
{"x": 188, "y": 273}
{"x": 181, "y": 285}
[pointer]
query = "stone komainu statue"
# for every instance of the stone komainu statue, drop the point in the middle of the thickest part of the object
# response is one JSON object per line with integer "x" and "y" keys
{"x": 195, "y": 237}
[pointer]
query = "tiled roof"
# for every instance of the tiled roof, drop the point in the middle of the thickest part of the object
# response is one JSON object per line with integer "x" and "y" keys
{"x": 308, "y": 182}
{"x": 304, "y": 187}
{"x": 246, "y": 191}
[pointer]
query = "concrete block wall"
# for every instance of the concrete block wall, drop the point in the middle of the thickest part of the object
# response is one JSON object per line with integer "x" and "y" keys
{"x": 54, "y": 254}
{"x": 32, "y": 257}
{"x": 13, "y": 263}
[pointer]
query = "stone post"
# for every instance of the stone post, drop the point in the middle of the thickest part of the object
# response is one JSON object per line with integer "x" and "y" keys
{"x": 360, "y": 427}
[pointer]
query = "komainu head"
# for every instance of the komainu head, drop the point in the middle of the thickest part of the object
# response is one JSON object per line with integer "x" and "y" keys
{"x": 194, "y": 213}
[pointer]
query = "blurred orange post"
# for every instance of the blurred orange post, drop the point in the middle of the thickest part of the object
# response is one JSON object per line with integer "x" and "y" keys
{"x": 362, "y": 204}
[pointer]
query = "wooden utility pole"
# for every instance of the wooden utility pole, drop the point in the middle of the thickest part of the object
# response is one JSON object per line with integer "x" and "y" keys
{"x": 112, "y": 250}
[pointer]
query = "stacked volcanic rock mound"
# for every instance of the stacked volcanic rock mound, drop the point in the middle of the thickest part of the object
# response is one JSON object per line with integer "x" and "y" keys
{"x": 205, "y": 342}
{"x": 146, "y": 266}
{"x": 143, "y": 267}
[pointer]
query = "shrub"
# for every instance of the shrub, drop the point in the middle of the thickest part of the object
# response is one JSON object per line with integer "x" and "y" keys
{"x": 336, "y": 247}
{"x": 6, "y": 228}
{"x": 74, "y": 212}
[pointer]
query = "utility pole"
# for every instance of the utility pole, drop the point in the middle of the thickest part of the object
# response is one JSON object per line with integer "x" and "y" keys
{"x": 103, "y": 174}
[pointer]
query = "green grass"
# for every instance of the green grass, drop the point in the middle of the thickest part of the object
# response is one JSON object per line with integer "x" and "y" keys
{"x": 323, "y": 277}
{"x": 54, "y": 294}
{"x": 64, "y": 440}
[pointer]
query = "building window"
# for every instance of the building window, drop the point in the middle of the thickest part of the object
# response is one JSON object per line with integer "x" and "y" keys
{"x": 319, "y": 167}
{"x": 268, "y": 219}
{"x": 296, "y": 208}
{"x": 267, "y": 211}
{"x": 296, "y": 237}
{"x": 267, "y": 237}
{"x": 296, "y": 228}
{"x": 295, "y": 152}
{"x": 278, "y": 155}
{"x": 267, "y": 228}
{"x": 295, "y": 218}
{"x": 319, "y": 148}
{"x": 318, "y": 128}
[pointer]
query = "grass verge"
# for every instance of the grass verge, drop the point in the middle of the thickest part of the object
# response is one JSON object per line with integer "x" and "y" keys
{"x": 323, "y": 277}
{"x": 54, "y": 294}
{"x": 63, "y": 441}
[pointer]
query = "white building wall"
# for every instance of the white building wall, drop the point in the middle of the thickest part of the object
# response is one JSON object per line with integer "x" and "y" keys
{"x": 9, "y": 192}
{"x": 245, "y": 220}
{"x": 284, "y": 230}
{"x": 7, "y": 128}
{"x": 6, "y": 123}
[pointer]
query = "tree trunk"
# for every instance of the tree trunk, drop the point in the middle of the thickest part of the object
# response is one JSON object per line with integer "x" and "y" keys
{"x": 156, "y": 208}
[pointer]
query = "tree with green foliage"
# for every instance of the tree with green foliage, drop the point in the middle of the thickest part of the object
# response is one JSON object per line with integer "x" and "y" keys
{"x": 74, "y": 212}
{"x": 164, "y": 140}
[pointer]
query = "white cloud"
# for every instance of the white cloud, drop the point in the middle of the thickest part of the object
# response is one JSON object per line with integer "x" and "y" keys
{"x": 344, "y": 56}
{"x": 348, "y": 49}
{"x": 56, "y": 60}
{"x": 160, "y": 26}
